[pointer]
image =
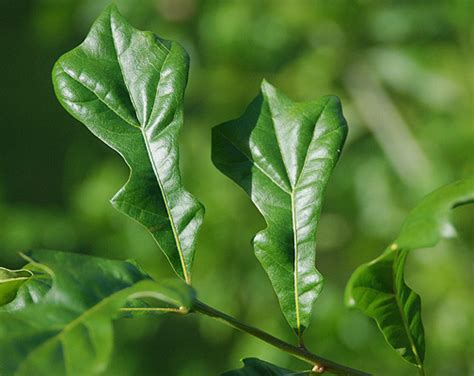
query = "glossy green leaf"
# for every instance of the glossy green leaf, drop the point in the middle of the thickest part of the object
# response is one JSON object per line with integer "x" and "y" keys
{"x": 282, "y": 154}
{"x": 257, "y": 367}
{"x": 378, "y": 287}
{"x": 68, "y": 330}
{"x": 127, "y": 87}
{"x": 10, "y": 282}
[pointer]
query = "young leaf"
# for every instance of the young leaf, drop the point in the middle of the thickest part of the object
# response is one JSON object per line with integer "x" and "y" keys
{"x": 10, "y": 282}
{"x": 378, "y": 287}
{"x": 257, "y": 367}
{"x": 68, "y": 331}
{"x": 32, "y": 292}
{"x": 282, "y": 154}
{"x": 379, "y": 290}
{"x": 127, "y": 87}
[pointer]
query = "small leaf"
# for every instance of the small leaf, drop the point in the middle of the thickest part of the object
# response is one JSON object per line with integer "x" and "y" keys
{"x": 127, "y": 87}
{"x": 378, "y": 287}
{"x": 68, "y": 331}
{"x": 10, "y": 282}
{"x": 38, "y": 285}
{"x": 282, "y": 154}
{"x": 257, "y": 367}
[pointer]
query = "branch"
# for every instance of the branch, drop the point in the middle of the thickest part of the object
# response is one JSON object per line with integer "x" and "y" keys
{"x": 320, "y": 364}
{"x": 158, "y": 309}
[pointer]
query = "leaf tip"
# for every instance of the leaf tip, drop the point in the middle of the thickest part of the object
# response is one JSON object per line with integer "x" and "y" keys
{"x": 109, "y": 9}
{"x": 113, "y": 12}
{"x": 334, "y": 99}
{"x": 266, "y": 87}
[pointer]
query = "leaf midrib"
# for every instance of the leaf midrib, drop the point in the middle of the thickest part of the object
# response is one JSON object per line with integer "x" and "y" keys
{"x": 293, "y": 206}
{"x": 404, "y": 319}
{"x": 187, "y": 277}
{"x": 293, "y": 223}
{"x": 168, "y": 210}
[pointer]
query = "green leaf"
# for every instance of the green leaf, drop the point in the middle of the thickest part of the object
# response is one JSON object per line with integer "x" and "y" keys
{"x": 282, "y": 154}
{"x": 38, "y": 285}
{"x": 429, "y": 221}
{"x": 378, "y": 287}
{"x": 257, "y": 367}
{"x": 379, "y": 290}
{"x": 68, "y": 331}
{"x": 127, "y": 87}
{"x": 10, "y": 282}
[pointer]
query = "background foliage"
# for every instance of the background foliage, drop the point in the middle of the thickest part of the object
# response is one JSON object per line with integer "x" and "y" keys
{"x": 404, "y": 73}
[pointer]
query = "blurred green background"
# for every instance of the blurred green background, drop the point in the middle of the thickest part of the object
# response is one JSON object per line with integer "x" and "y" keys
{"x": 403, "y": 70}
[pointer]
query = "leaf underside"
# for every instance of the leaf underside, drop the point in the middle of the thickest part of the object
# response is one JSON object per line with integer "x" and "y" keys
{"x": 65, "y": 328}
{"x": 127, "y": 87}
{"x": 282, "y": 154}
{"x": 257, "y": 367}
{"x": 378, "y": 288}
